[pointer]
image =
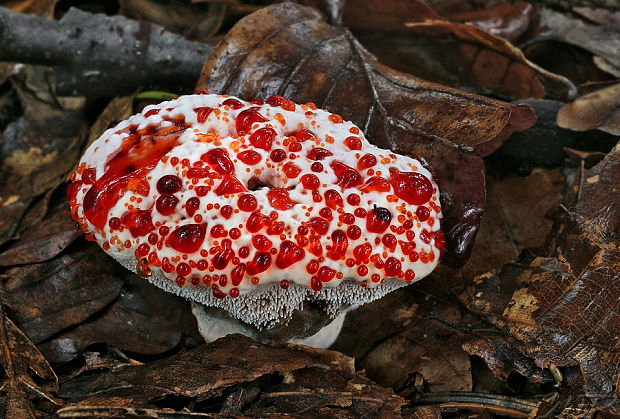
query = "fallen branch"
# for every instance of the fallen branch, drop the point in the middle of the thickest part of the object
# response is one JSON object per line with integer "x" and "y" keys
{"x": 98, "y": 55}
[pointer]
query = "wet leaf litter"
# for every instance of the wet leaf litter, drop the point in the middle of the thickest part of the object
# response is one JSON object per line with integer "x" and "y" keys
{"x": 532, "y": 312}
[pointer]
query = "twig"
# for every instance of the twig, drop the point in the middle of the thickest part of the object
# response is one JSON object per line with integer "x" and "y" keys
{"x": 569, "y": 4}
{"x": 493, "y": 403}
{"x": 100, "y": 55}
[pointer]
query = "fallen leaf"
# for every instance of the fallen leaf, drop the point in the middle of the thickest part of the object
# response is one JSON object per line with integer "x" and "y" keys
{"x": 601, "y": 39}
{"x": 514, "y": 219}
{"x": 284, "y": 379}
{"x": 509, "y": 20}
{"x": 493, "y": 63}
{"x": 143, "y": 319}
{"x": 402, "y": 342}
{"x": 118, "y": 109}
{"x": 288, "y": 49}
{"x": 564, "y": 305}
{"x": 42, "y": 240}
{"x": 598, "y": 110}
{"x": 38, "y": 150}
{"x": 49, "y": 297}
{"x": 196, "y": 22}
{"x": 22, "y": 362}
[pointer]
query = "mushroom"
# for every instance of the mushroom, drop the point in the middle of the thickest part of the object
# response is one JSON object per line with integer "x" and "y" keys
{"x": 274, "y": 218}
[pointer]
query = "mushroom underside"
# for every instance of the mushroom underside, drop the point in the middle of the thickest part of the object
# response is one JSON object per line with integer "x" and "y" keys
{"x": 271, "y": 307}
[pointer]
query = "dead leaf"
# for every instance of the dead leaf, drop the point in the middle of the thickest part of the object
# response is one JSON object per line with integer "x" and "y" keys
{"x": 143, "y": 320}
{"x": 564, "y": 305}
{"x": 67, "y": 290}
{"x": 251, "y": 378}
{"x": 196, "y": 22}
{"x": 37, "y": 150}
{"x": 509, "y": 20}
{"x": 514, "y": 219}
{"x": 602, "y": 39}
{"x": 493, "y": 64}
{"x": 21, "y": 362}
{"x": 598, "y": 110}
{"x": 288, "y": 49}
{"x": 42, "y": 240}
{"x": 394, "y": 346}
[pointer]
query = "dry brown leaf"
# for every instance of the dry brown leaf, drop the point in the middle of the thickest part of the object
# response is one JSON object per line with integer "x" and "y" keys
{"x": 49, "y": 297}
{"x": 21, "y": 362}
{"x": 598, "y": 110}
{"x": 117, "y": 109}
{"x": 288, "y": 49}
{"x": 564, "y": 306}
{"x": 493, "y": 63}
{"x": 42, "y": 240}
{"x": 600, "y": 35}
{"x": 197, "y": 22}
{"x": 244, "y": 378}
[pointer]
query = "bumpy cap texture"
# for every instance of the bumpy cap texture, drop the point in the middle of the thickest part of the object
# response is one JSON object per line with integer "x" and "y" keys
{"x": 256, "y": 207}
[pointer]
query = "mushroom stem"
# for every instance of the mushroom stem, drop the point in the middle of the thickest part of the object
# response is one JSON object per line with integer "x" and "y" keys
{"x": 213, "y": 326}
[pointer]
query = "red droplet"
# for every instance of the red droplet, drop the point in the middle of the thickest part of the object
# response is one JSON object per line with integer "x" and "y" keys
{"x": 226, "y": 211}
{"x": 247, "y": 203}
{"x": 192, "y": 205}
{"x": 347, "y": 177}
{"x": 236, "y": 275}
{"x": 302, "y": 135}
{"x": 325, "y": 274}
{"x": 378, "y": 220}
{"x": 246, "y": 118}
{"x": 166, "y": 204}
{"x": 353, "y": 199}
{"x": 333, "y": 199}
{"x": 426, "y": 236}
{"x": 138, "y": 222}
{"x": 151, "y": 112}
{"x": 275, "y": 229}
{"x": 73, "y": 189}
{"x": 423, "y": 213}
{"x": 263, "y": 138}
{"x": 219, "y": 161}
{"x": 319, "y": 225}
{"x": 284, "y": 284}
{"x": 222, "y": 259}
{"x": 367, "y": 161}
{"x": 362, "y": 252}
{"x": 389, "y": 241}
{"x": 346, "y": 218}
{"x": 197, "y": 172}
{"x": 413, "y": 187}
{"x": 202, "y": 113}
{"x": 314, "y": 245}
{"x": 354, "y": 232}
{"x": 187, "y": 238}
{"x": 289, "y": 254}
{"x": 249, "y": 157}
{"x": 315, "y": 283}
{"x": 310, "y": 181}
{"x": 255, "y": 222}
{"x": 376, "y": 183}
{"x": 89, "y": 176}
{"x": 291, "y": 170}
{"x": 277, "y": 155}
{"x": 318, "y": 153}
{"x": 260, "y": 263}
{"x": 392, "y": 267}
{"x": 354, "y": 143}
{"x": 340, "y": 243}
{"x": 317, "y": 167}
{"x": 294, "y": 147}
{"x": 279, "y": 199}
{"x": 440, "y": 241}
{"x": 229, "y": 185}
{"x": 261, "y": 243}
{"x": 169, "y": 184}
{"x": 326, "y": 213}
{"x": 114, "y": 223}
{"x": 233, "y": 103}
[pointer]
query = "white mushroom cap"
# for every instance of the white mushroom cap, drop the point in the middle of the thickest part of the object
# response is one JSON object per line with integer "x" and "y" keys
{"x": 256, "y": 208}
